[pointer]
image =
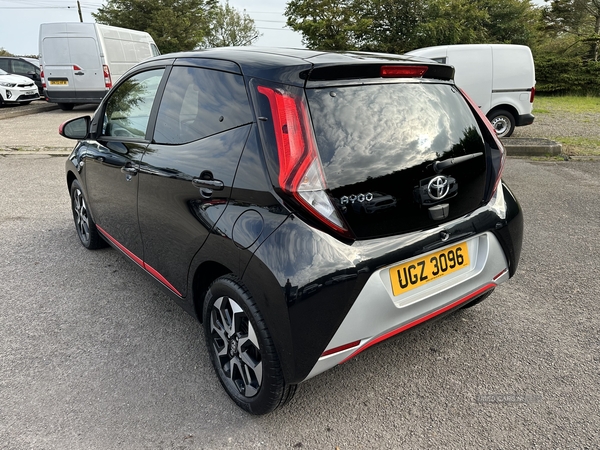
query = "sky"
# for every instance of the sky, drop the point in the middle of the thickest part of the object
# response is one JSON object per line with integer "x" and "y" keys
{"x": 21, "y": 19}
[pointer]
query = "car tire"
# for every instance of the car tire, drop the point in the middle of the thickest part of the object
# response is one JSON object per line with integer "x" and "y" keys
{"x": 66, "y": 106}
{"x": 503, "y": 122}
{"x": 479, "y": 299}
{"x": 241, "y": 349}
{"x": 84, "y": 224}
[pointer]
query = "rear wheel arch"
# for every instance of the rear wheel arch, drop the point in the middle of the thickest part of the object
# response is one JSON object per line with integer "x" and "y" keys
{"x": 70, "y": 178}
{"x": 204, "y": 275}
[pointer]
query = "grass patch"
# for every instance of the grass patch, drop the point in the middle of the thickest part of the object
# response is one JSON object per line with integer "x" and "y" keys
{"x": 566, "y": 104}
{"x": 579, "y": 146}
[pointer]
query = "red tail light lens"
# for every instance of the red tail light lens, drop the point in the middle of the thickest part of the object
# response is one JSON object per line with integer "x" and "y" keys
{"x": 498, "y": 153}
{"x": 107, "y": 79}
{"x": 403, "y": 71}
{"x": 300, "y": 170}
{"x": 532, "y": 95}
{"x": 42, "y": 77}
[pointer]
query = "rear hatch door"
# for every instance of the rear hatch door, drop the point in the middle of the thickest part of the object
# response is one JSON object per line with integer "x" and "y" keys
{"x": 398, "y": 155}
{"x": 72, "y": 64}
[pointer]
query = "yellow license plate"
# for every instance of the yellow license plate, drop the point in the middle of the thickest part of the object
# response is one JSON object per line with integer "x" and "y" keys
{"x": 417, "y": 272}
{"x": 61, "y": 82}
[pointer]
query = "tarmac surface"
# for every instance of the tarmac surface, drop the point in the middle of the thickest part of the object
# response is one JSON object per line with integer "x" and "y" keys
{"x": 93, "y": 355}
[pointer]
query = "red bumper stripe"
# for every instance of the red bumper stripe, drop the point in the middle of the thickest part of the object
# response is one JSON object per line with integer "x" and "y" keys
{"x": 139, "y": 261}
{"x": 425, "y": 318}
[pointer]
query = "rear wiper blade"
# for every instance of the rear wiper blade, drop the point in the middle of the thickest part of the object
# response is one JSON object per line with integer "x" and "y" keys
{"x": 438, "y": 166}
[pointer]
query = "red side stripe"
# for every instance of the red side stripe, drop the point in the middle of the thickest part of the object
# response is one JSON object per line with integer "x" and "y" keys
{"x": 121, "y": 247}
{"x": 160, "y": 278}
{"x": 152, "y": 271}
{"x": 409, "y": 325}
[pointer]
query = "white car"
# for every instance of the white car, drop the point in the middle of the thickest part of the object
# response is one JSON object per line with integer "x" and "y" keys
{"x": 17, "y": 89}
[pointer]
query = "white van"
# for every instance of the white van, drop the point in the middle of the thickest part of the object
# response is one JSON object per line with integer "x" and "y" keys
{"x": 500, "y": 78}
{"x": 81, "y": 61}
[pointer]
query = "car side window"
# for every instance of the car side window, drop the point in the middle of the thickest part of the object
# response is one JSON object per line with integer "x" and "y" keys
{"x": 200, "y": 102}
{"x": 22, "y": 68}
{"x": 4, "y": 63}
{"x": 128, "y": 109}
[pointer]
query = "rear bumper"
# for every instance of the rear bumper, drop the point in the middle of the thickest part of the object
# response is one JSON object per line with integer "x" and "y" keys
{"x": 321, "y": 293}
{"x": 377, "y": 315}
{"x": 524, "y": 119}
{"x": 77, "y": 97}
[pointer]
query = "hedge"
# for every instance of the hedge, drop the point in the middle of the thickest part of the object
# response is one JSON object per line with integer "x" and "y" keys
{"x": 567, "y": 75}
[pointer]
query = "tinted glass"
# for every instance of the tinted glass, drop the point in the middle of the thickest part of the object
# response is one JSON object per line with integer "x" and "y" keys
{"x": 371, "y": 131}
{"x": 128, "y": 109}
{"x": 4, "y": 63}
{"x": 22, "y": 68}
{"x": 200, "y": 102}
{"x": 378, "y": 144}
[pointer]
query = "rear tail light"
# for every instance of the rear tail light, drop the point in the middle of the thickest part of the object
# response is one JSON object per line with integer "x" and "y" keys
{"x": 107, "y": 79}
{"x": 76, "y": 67}
{"x": 498, "y": 153}
{"x": 42, "y": 77}
{"x": 532, "y": 95}
{"x": 300, "y": 170}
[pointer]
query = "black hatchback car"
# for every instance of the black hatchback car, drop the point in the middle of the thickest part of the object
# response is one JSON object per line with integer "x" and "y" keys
{"x": 303, "y": 205}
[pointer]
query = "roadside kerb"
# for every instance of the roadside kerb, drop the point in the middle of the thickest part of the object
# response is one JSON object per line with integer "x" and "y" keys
{"x": 514, "y": 147}
{"x": 10, "y": 112}
{"x": 531, "y": 147}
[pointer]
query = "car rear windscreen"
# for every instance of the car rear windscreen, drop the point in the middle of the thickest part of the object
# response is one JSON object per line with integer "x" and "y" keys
{"x": 378, "y": 143}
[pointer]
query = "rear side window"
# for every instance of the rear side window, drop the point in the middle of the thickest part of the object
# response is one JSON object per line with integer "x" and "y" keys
{"x": 4, "y": 64}
{"x": 200, "y": 102}
{"x": 22, "y": 67}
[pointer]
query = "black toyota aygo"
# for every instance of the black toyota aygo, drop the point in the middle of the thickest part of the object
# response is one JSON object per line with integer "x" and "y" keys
{"x": 303, "y": 205}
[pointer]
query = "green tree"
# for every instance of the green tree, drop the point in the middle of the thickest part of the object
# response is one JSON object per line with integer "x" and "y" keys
{"x": 397, "y": 26}
{"x": 575, "y": 24}
{"x": 229, "y": 28}
{"x": 4, "y": 52}
{"x": 175, "y": 25}
{"x": 330, "y": 24}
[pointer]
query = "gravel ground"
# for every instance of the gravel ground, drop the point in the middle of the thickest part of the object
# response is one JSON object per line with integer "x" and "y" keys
{"x": 578, "y": 132}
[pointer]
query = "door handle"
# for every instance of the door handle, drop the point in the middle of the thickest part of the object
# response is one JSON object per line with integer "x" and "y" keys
{"x": 130, "y": 169}
{"x": 215, "y": 185}
{"x": 79, "y": 73}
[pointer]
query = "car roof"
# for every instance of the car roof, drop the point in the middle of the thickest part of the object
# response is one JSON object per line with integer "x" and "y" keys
{"x": 288, "y": 64}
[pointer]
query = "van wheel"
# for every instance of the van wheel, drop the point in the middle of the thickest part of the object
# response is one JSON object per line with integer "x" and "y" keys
{"x": 241, "y": 349}
{"x": 66, "y": 106}
{"x": 503, "y": 122}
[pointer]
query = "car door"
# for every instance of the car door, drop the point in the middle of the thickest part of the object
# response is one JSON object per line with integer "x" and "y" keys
{"x": 187, "y": 171}
{"x": 112, "y": 161}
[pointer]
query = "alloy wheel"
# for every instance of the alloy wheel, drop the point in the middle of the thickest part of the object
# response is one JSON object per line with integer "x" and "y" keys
{"x": 80, "y": 214}
{"x": 236, "y": 346}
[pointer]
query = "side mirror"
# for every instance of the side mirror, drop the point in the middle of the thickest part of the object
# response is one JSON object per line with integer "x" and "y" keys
{"x": 75, "y": 128}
